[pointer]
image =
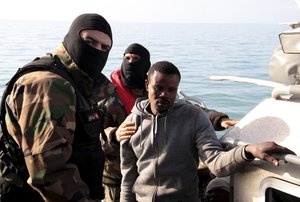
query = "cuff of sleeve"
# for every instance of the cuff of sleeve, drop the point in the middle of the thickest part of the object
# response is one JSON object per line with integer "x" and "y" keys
{"x": 112, "y": 135}
{"x": 219, "y": 122}
{"x": 247, "y": 156}
{"x": 240, "y": 156}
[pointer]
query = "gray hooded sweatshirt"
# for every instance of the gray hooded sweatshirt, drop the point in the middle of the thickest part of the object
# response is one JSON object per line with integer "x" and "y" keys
{"x": 159, "y": 162}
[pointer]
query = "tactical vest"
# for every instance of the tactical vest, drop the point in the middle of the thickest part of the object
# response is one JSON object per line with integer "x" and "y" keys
{"x": 87, "y": 153}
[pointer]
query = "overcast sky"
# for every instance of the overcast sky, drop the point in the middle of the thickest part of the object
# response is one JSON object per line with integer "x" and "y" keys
{"x": 199, "y": 11}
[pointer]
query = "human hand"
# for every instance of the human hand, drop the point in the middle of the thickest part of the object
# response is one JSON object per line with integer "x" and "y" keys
{"x": 226, "y": 122}
{"x": 264, "y": 151}
{"x": 125, "y": 131}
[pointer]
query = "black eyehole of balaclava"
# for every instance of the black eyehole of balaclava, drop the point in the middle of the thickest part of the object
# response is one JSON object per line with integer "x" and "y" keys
{"x": 133, "y": 75}
{"x": 88, "y": 59}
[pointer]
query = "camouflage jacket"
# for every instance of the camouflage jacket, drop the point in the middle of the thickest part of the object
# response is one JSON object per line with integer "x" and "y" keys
{"x": 41, "y": 118}
{"x": 115, "y": 114}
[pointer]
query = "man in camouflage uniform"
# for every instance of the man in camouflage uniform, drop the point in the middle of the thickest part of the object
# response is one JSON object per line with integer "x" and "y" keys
{"x": 64, "y": 163}
{"x": 130, "y": 85}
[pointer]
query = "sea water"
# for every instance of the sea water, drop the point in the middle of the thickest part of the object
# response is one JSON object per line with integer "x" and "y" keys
{"x": 198, "y": 50}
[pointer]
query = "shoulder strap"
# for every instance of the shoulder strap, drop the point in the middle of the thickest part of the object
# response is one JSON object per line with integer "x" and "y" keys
{"x": 47, "y": 63}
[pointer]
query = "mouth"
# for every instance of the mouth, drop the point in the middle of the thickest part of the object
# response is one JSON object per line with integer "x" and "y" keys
{"x": 163, "y": 103}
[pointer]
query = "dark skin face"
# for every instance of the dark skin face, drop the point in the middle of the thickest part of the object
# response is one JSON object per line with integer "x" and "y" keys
{"x": 162, "y": 91}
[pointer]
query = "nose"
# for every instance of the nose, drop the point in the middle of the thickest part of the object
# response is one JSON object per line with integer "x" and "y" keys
{"x": 164, "y": 93}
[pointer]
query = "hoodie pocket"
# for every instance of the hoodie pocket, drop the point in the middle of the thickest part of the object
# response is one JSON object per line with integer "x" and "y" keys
{"x": 144, "y": 186}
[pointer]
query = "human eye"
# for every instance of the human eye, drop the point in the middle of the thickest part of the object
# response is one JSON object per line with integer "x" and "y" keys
{"x": 126, "y": 57}
{"x": 89, "y": 41}
{"x": 135, "y": 58}
{"x": 105, "y": 48}
{"x": 157, "y": 89}
{"x": 172, "y": 90}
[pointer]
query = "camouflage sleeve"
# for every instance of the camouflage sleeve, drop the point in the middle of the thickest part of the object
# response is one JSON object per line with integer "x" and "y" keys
{"x": 115, "y": 114}
{"x": 43, "y": 106}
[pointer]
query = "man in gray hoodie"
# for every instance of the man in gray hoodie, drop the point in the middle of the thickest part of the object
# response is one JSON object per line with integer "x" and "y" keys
{"x": 159, "y": 162}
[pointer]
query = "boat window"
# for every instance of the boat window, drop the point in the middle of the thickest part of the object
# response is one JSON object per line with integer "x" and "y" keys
{"x": 274, "y": 195}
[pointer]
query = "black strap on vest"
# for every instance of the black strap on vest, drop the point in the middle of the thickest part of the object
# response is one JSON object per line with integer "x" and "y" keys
{"x": 46, "y": 63}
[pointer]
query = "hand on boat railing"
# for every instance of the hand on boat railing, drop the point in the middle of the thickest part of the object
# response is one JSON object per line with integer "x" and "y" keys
{"x": 268, "y": 151}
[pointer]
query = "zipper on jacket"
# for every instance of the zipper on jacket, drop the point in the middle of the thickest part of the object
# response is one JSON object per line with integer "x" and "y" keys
{"x": 154, "y": 131}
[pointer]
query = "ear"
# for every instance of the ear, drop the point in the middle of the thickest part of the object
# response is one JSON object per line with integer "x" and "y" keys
{"x": 146, "y": 84}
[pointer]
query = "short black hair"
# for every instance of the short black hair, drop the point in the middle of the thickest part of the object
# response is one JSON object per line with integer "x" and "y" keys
{"x": 164, "y": 67}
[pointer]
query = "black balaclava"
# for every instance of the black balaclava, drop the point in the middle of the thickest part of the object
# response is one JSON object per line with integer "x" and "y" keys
{"x": 133, "y": 75}
{"x": 88, "y": 59}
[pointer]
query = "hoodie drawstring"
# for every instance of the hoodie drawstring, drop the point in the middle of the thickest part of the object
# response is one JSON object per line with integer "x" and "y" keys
{"x": 153, "y": 128}
{"x": 141, "y": 136}
{"x": 165, "y": 129}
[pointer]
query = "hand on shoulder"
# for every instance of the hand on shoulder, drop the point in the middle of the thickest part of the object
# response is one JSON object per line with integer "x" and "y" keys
{"x": 125, "y": 131}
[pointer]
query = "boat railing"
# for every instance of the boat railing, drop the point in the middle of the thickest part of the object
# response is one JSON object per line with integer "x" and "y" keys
{"x": 281, "y": 91}
{"x": 239, "y": 79}
{"x": 229, "y": 143}
{"x": 190, "y": 99}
